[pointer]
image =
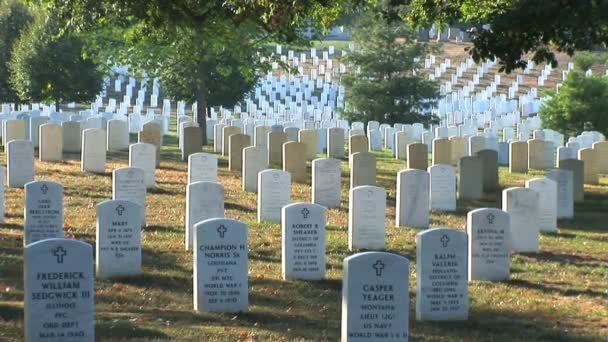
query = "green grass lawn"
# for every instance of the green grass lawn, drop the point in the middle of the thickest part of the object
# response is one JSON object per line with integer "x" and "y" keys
{"x": 558, "y": 294}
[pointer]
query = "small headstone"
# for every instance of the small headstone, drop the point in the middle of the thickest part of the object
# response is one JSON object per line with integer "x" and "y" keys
{"x": 412, "y": 207}
{"x": 309, "y": 138}
{"x": 536, "y": 154}
{"x": 363, "y": 169}
{"x": 59, "y": 263}
{"x": 470, "y": 178}
{"x": 236, "y": 144}
{"x": 601, "y": 148}
{"x": 93, "y": 156}
{"x": 292, "y": 133}
{"x": 202, "y": 167}
{"x": 442, "y": 151}
{"x": 143, "y": 156}
{"x": 418, "y": 156}
{"x": 118, "y": 135}
{"x": 578, "y": 179}
{"x": 565, "y": 192}
{"x": 191, "y": 141}
{"x": 443, "y": 187}
{"x": 128, "y": 183}
{"x": 459, "y": 148}
{"x": 522, "y": 206}
{"x": 375, "y": 297}
{"x": 518, "y": 157}
{"x": 489, "y": 258}
{"x": 591, "y": 161}
{"x": 547, "y": 204}
{"x": 274, "y": 192}
{"x": 294, "y": 160}
{"x": 51, "y": 142}
{"x": 303, "y": 231}
{"x": 489, "y": 160}
{"x": 118, "y": 246}
{"x": 220, "y": 266}
{"x": 19, "y": 163}
{"x": 43, "y": 213}
{"x": 261, "y": 136}
{"x": 151, "y": 133}
{"x": 357, "y": 143}
{"x": 255, "y": 159}
{"x": 366, "y": 217}
{"x": 335, "y": 143}
{"x": 72, "y": 136}
{"x": 275, "y": 147}
{"x": 441, "y": 275}
{"x": 228, "y": 131}
{"x": 326, "y": 182}
{"x": 204, "y": 200}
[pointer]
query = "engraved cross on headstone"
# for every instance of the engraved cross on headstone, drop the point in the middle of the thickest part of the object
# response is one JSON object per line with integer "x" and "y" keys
{"x": 378, "y": 266}
{"x": 59, "y": 252}
{"x": 490, "y": 218}
{"x": 44, "y": 189}
{"x": 305, "y": 213}
{"x": 222, "y": 231}
{"x": 444, "y": 240}
{"x": 120, "y": 209}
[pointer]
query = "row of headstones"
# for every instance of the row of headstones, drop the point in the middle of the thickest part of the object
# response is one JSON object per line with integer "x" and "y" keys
{"x": 375, "y": 284}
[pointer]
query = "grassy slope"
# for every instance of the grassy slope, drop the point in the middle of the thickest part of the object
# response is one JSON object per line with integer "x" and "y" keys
{"x": 555, "y": 295}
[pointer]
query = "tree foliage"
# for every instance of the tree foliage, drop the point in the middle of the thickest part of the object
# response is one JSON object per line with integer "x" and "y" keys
{"x": 14, "y": 18}
{"x": 516, "y": 27}
{"x": 581, "y": 104}
{"x": 384, "y": 82}
{"x": 48, "y": 65}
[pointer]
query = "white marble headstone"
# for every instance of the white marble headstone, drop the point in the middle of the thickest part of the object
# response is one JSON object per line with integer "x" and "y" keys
{"x": 204, "y": 200}
{"x": 43, "y": 212}
{"x": 366, "y": 217}
{"x": 274, "y": 192}
{"x": 489, "y": 254}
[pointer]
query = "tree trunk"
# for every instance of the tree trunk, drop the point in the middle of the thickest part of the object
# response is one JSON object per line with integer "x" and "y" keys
{"x": 56, "y": 105}
{"x": 201, "y": 112}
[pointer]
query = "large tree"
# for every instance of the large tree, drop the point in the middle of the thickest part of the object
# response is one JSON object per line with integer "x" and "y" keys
{"x": 509, "y": 29}
{"x": 14, "y": 17}
{"x": 385, "y": 82}
{"x": 47, "y": 64}
{"x": 215, "y": 30}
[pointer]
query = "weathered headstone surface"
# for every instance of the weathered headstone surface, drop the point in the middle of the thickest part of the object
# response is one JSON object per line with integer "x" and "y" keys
{"x": 489, "y": 160}
{"x": 43, "y": 212}
{"x": 488, "y": 231}
{"x": 202, "y": 167}
{"x": 578, "y": 179}
{"x": 442, "y": 187}
{"x": 522, "y": 206}
{"x": 366, "y": 217}
{"x": 335, "y": 143}
{"x": 236, "y": 144}
{"x": 412, "y": 207}
{"x": 326, "y": 182}
{"x": 303, "y": 232}
{"x": 470, "y": 178}
{"x": 275, "y": 147}
{"x": 93, "y": 156}
{"x": 441, "y": 275}
{"x": 294, "y": 161}
{"x": 589, "y": 156}
{"x": 143, "y": 156}
{"x": 204, "y": 200}
{"x": 418, "y": 156}
{"x": 536, "y": 154}
{"x": 58, "y": 291}
{"x": 274, "y": 192}
{"x": 309, "y": 138}
{"x": 221, "y": 266}
{"x": 547, "y": 204}
{"x": 19, "y": 163}
{"x": 442, "y": 151}
{"x": 191, "y": 141}
{"x": 375, "y": 297}
{"x": 118, "y": 239}
{"x": 118, "y": 135}
{"x": 518, "y": 156}
{"x": 128, "y": 183}
{"x": 363, "y": 169}
{"x": 151, "y": 133}
{"x": 72, "y": 136}
{"x": 565, "y": 192}
{"x": 51, "y": 142}
{"x": 255, "y": 159}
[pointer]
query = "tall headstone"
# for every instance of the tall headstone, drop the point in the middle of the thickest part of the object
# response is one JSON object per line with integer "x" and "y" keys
{"x": 228, "y": 131}
{"x": 19, "y": 163}
{"x": 13, "y": 129}
{"x": 255, "y": 159}
{"x": 371, "y": 278}
{"x": 261, "y": 136}
{"x": 303, "y": 247}
{"x": 441, "y": 275}
{"x": 459, "y": 148}
{"x": 335, "y": 142}
{"x": 326, "y": 182}
{"x": 536, "y": 154}
{"x": 357, "y": 143}
{"x": 236, "y": 144}
{"x": 51, "y": 142}
{"x": 442, "y": 193}
{"x": 152, "y": 133}
{"x": 442, "y": 151}
{"x": 191, "y": 141}
{"x": 489, "y": 256}
{"x": 418, "y": 156}
{"x": 547, "y": 204}
{"x": 204, "y": 200}
{"x": 366, "y": 217}
{"x": 93, "y": 156}
{"x": 118, "y": 239}
{"x": 518, "y": 157}
{"x": 565, "y": 192}
{"x": 72, "y": 136}
{"x": 522, "y": 206}
{"x": 143, "y": 156}
{"x": 118, "y": 135}
{"x": 220, "y": 266}
{"x": 470, "y": 178}
{"x": 294, "y": 160}
{"x": 43, "y": 212}
{"x": 412, "y": 207}
{"x": 589, "y": 156}
{"x": 489, "y": 160}
{"x": 274, "y": 192}
{"x": 363, "y": 169}
{"x": 202, "y": 167}
{"x": 50, "y": 314}
{"x": 578, "y": 179}
{"x": 275, "y": 147}
{"x": 128, "y": 183}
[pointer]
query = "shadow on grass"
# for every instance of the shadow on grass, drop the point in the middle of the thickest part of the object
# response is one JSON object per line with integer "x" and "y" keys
{"x": 544, "y": 287}
{"x": 124, "y": 330}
